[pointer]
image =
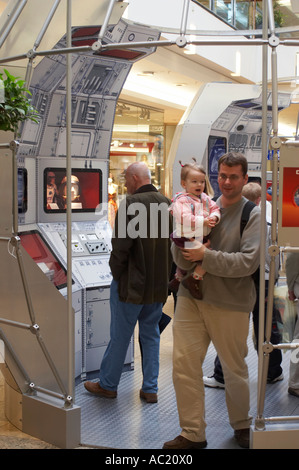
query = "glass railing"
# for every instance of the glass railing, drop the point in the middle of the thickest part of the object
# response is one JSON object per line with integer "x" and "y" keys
{"x": 247, "y": 15}
{"x": 237, "y": 13}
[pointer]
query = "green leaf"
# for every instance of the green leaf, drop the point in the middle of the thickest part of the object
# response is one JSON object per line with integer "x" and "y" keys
{"x": 17, "y": 107}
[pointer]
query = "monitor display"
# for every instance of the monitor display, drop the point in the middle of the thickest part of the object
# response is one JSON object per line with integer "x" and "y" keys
{"x": 86, "y": 190}
{"x": 245, "y": 104}
{"x": 41, "y": 253}
{"x": 216, "y": 148}
{"x": 22, "y": 190}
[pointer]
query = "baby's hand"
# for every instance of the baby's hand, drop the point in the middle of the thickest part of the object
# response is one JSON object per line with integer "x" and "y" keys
{"x": 210, "y": 221}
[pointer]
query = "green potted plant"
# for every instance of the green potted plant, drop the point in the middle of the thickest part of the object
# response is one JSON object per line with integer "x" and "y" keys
{"x": 279, "y": 18}
{"x": 17, "y": 105}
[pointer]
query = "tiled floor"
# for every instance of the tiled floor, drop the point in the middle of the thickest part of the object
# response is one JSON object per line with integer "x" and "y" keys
{"x": 128, "y": 423}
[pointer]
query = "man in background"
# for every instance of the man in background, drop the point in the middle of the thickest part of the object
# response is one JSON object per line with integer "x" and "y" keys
{"x": 140, "y": 263}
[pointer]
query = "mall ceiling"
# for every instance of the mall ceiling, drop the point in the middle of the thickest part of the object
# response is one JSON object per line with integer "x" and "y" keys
{"x": 185, "y": 85}
{"x": 184, "y": 74}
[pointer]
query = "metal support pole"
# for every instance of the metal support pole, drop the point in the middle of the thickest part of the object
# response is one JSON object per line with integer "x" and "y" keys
{"x": 25, "y": 326}
{"x": 38, "y": 41}
{"x": 184, "y": 17}
{"x": 275, "y": 144}
{"x": 106, "y": 20}
{"x": 181, "y": 42}
{"x": 282, "y": 418}
{"x": 10, "y": 350}
{"x": 36, "y": 388}
{"x": 15, "y": 210}
{"x": 267, "y": 348}
{"x": 46, "y": 24}
{"x": 8, "y": 18}
{"x": 233, "y": 12}
{"x": 270, "y": 17}
{"x": 263, "y": 200}
{"x": 32, "y": 54}
{"x": 35, "y": 330}
{"x": 15, "y": 241}
{"x": 71, "y": 327}
{"x": 297, "y": 128}
{"x": 290, "y": 249}
{"x": 14, "y": 18}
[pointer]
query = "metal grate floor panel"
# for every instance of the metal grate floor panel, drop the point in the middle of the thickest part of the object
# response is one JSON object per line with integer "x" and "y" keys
{"x": 129, "y": 423}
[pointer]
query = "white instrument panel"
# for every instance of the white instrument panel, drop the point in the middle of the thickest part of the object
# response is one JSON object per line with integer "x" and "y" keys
{"x": 91, "y": 248}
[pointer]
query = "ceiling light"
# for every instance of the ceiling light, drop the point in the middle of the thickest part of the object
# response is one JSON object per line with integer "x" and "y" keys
{"x": 158, "y": 91}
{"x": 144, "y": 128}
{"x": 237, "y": 73}
{"x": 146, "y": 73}
{"x": 190, "y": 48}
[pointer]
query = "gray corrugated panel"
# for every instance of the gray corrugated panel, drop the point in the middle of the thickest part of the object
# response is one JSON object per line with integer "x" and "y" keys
{"x": 129, "y": 423}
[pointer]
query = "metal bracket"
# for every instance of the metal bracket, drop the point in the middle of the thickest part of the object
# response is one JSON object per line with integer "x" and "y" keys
{"x": 31, "y": 54}
{"x": 259, "y": 424}
{"x": 68, "y": 401}
{"x": 274, "y": 41}
{"x": 273, "y": 250}
{"x": 34, "y": 328}
{"x": 96, "y": 46}
{"x": 15, "y": 241}
{"x": 267, "y": 348}
{"x": 181, "y": 41}
{"x": 14, "y": 144}
{"x": 275, "y": 142}
{"x": 32, "y": 390}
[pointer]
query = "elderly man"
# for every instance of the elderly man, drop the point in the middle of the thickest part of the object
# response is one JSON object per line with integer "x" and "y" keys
{"x": 140, "y": 263}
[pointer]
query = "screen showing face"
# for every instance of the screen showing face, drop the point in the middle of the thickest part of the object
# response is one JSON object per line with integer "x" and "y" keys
{"x": 86, "y": 190}
{"x": 42, "y": 254}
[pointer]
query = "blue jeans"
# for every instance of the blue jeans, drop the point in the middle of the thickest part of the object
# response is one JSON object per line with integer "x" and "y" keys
{"x": 124, "y": 317}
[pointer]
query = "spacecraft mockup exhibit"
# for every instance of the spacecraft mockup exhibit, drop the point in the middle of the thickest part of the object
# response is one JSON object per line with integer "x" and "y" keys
{"x": 35, "y": 281}
{"x": 223, "y": 117}
{"x": 97, "y": 79}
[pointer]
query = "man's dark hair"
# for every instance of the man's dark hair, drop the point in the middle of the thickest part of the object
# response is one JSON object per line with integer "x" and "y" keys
{"x": 233, "y": 159}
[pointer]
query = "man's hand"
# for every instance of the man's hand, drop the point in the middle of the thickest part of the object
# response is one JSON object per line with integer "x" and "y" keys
{"x": 292, "y": 295}
{"x": 195, "y": 252}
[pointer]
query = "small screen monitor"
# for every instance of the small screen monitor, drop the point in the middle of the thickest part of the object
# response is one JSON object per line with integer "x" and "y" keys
{"x": 216, "y": 148}
{"x": 22, "y": 190}
{"x": 86, "y": 190}
{"x": 35, "y": 245}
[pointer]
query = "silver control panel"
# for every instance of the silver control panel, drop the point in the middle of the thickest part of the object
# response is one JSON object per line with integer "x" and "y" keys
{"x": 91, "y": 248}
